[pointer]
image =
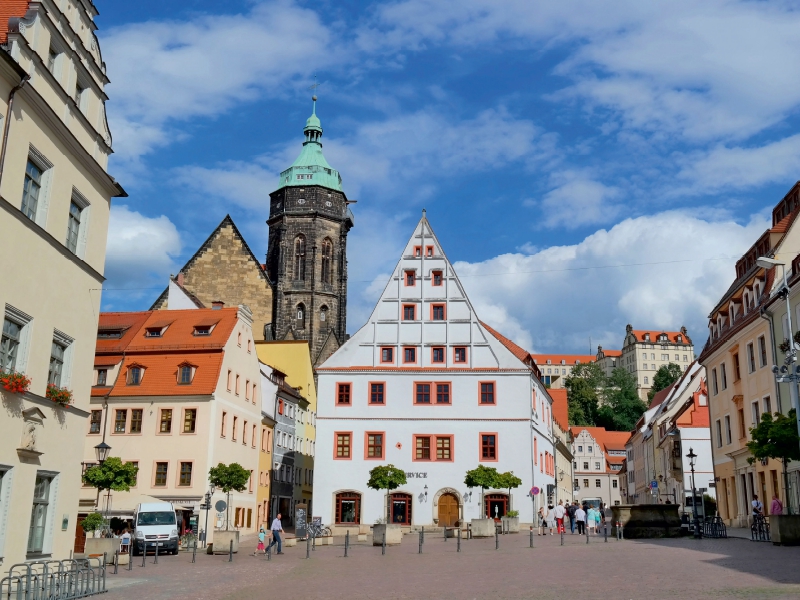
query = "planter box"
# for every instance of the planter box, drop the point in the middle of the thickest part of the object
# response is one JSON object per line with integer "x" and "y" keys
{"x": 362, "y": 537}
{"x": 640, "y": 521}
{"x": 510, "y": 524}
{"x": 785, "y": 529}
{"x": 222, "y": 541}
{"x": 482, "y": 528}
{"x": 325, "y": 540}
{"x": 123, "y": 559}
{"x": 290, "y": 542}
{"x": 394, "y": 535}
{"x": 99, "y": 545}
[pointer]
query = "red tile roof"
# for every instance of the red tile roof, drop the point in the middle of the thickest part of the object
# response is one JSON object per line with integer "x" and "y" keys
{"x": 569, "y": 359}
{"x": 612, "y": 353}
{"x": 160, "y": 377}
{"x": 611, "y": 440}
{"x": 560, "y": 407}
{"x": 672, "y": 335}
{"x": 661, "y": 395}
{"x": 783, "y": 225}
{"x": 9, "y": 9}
{"x": 130, "y": 323}
{"x": 517, "y": 351}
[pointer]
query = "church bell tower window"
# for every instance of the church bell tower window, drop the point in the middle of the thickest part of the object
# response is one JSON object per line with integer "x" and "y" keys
{"x": 300, "y": 258}
{"x": 327, "y": 253}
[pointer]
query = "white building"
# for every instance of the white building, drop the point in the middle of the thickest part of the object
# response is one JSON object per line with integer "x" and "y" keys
{"x": 425, "y": 386}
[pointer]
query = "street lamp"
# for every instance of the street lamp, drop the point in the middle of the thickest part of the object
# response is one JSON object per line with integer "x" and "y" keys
{"x": 207, "y": 506}
{"x": 101, "y": 451}
{"x": 692, "y": 456}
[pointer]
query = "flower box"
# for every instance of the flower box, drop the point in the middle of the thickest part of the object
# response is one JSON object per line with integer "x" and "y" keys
{"x": 59, "y": 395}
{"x": 16, "y": 383}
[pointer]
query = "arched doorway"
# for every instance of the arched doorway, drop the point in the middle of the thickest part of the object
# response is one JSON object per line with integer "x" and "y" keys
{"x": 401, "y": 508}
{"x": 348, "y": 508}
{"x": 448, "y": 510}
{"x": 496, "y": 505}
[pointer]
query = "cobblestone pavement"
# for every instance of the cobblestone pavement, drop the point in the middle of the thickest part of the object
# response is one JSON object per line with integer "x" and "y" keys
{"x": 675, "y": 569}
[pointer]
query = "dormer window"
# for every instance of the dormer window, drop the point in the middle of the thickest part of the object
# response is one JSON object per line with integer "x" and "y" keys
{"x": 680, "y": 339}
{"x": 549, "y": 362}
{"x": 109, "y": 334}
{"x": 563, "y": 362}
{"x": 135, "y": 374}
{"x": 646, "y": 337}
{"x": 154, "y": 332}
{"x": 185, "y": 374}
{"x": 202, "y": 330}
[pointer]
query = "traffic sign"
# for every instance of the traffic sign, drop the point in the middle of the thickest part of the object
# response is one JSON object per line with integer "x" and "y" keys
{"x": 653, "y": 484}
{"x": 221, "y": 505}
{"x": 535, "y": 491}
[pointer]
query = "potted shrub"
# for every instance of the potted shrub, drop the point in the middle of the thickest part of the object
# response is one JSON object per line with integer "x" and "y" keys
{"x": 483, "y": 477}
{"x": 93, "y": 524}
{"x": 228, "y": 478}
{"x": 386, "y": 477}
{"x": 511, "y": 521}
{"x": 59, "y": 395}
{"x": 16, "y": 383}
{"x": 508, "y": 481}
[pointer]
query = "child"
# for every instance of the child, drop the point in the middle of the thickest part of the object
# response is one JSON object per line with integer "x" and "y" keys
{"x": 591, "y": 519}
{"x": 262, "y": 535}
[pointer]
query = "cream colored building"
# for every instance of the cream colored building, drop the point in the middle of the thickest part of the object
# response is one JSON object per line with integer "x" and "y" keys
{"x": 55, "y": 197}
{"x": 738, "y": 358}
{"x": 608, "y": 360}
{"x": 555, "y": 368}
{"x": 645, "y": 351}
{"x": 177, "y": 392}
{"x": 598, "y": 457}
{"x": 562, "y": 437}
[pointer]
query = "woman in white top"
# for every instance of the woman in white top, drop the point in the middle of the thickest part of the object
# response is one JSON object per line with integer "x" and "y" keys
{"x": 551, "y": 518}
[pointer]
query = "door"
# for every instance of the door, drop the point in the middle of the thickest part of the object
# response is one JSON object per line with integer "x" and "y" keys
{"x": 80, "y": 535}
{"x": 496, "y": 506}
{"x": 448, "y": 510}
{"x": 401, "y": 509}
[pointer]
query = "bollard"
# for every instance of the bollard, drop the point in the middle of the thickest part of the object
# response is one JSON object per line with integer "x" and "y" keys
{"x": 130, "y": 557}
{"x": 308, "y": 547}
{"x": 346, "y": 542}
{"x": 420, "y": 542}
{"x": 496, "y": 539}
{"x": 269, "y": 552}
{"x": 458, "y": 539}
{"x": 423, "y": 534}
{"x": 230, "y": 552}
{"x": 105, "y": 560}
{"x": 194, "y": 550}
{"x": 531, "y": 538}
{"x": 155, "y": 560}
{"x": 314, "y": 543}
{"x": 587, "y": 532}
{"x": 383, "y": 545}
{"x": 445, "y": 533}
{"x": 144, "y": 553}
{"x": 605, "y": 532}
{"x": 116, "y": 561}
{"x": 562, "y": 537}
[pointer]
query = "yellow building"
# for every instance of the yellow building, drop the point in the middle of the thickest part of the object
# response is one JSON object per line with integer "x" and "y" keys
{"x": 293, "y": 358}
{"x": 265, "y": 453}
{"x": 55, "y": 199}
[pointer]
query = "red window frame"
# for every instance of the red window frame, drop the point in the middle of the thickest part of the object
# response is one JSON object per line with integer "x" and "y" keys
{"x": 410, "y": 276}
{"x": 440, "y": 350}
{"x": 434, "y": 308}
{"x": 413, "y": 310}
{"x": 455, "y": 354}
{"x": 428, "y": 251}
{"x": 443, "y": 392}
{"x": 373, "y": 446}
{"x": 423, "y": 389}
{"x": 337, "y": 445}
{"x": 344, "y": 394}
{"x": 390, "y": 350}
{"x": 491, "y": 443}
{"x": 355, "y": 497}
{"x": 432, "y": 448}
{"x": 377, "y": 393}
{"x": 412, "y": 349}
{"x": 434, "y": 275}
{"x": 417, "y": 251}
{"x": 487, "y": 389}
{"x": 450, "y": 447}
{"x": 416, "y": 446}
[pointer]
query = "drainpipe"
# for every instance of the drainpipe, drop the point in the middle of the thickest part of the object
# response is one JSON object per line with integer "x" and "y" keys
{"x": 763, "y": 314}
{"x": 7, "y": 126}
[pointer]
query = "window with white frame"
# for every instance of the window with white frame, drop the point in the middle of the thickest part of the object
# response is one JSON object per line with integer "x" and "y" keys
{"x": 14, "y": 340}
{"x": 719, "y": 433}
{"x": 35, "y": 186}
{"x": 60, "y": 355}
{"x": 77, "y": 223}
{"x": 39, "y": 513}
{"x": 727, "y": 429}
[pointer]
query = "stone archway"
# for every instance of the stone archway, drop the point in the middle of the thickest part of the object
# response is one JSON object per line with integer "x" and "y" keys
{"x": 448, "y": 507}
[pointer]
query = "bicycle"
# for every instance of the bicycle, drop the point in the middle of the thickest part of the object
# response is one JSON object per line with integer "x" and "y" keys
{"x": 319, "y": 530}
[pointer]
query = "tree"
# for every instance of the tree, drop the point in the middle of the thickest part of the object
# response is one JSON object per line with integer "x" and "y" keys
{"x": 386, "y": 477}
{"x": 775, "y": 437}
{"x": 507, "y": 481}
{"x": 111, "y": 474}
{"x": 229, "y": 478}
{"x": 583, "y": 399}
{"x": 483, "y": 477}
{"x": 93, "y": 522}
{"x": 664, "y": 377}
{"x": 621, "y": 406}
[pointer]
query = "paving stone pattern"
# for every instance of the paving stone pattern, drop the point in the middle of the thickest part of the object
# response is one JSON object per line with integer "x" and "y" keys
{"x": 658, "y": 569}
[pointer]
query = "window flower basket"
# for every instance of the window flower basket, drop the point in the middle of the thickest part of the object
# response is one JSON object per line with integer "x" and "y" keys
{"x": 784, "y": 346}
{"x": 59, "y": 395}
{"x": 14, "y": 382}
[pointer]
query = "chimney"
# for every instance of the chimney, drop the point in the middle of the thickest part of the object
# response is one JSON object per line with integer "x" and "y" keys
{"x": 217, "y": 304}
{"x": 179, "y": 279}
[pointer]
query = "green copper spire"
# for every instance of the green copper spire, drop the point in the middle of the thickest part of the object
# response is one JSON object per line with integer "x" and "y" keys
{"x": 311, "y": 168}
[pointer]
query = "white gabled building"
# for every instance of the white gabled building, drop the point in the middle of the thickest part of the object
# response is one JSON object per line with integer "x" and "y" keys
{"x": 427, "y": 387}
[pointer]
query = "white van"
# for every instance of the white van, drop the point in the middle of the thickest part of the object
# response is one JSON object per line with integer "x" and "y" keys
{"x": 155, "y": 524}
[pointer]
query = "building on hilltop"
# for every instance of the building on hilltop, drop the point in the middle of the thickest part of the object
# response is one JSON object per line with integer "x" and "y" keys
{"x": 555, "y": 368}
{"x": 424, "y": 385}
{"x": 608, "y": 360}
{"x": 55, "y": 197}
{"x": 176, "y": 392}
{"x": 644, "y": 351}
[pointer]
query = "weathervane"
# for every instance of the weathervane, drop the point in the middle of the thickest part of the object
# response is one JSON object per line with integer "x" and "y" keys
{"x": 314, "y": 87}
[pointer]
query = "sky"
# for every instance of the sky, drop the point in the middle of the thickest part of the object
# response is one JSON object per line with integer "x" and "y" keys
{"x": 584, "y": 164}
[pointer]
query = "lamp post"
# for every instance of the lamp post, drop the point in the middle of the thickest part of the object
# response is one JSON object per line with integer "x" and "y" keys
{"x": 207, "y": 506}
{"x": 788, "y": 373}
{"x": 692, "y": 456}
{"x": 101, "y": 451}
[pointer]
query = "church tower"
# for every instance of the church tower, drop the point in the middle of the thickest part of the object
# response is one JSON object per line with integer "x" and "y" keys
{"x": 308, "y": 223}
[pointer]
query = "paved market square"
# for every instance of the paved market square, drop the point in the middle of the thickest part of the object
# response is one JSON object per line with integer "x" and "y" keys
{"x": 708, "y": 568}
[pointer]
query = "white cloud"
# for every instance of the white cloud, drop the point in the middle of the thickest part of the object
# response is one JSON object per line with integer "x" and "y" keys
{"x": 560, "y": 296}
{"x": 576, "y": 201}
{"x": 164, "y": 73}
{"x": 140, "y": 253}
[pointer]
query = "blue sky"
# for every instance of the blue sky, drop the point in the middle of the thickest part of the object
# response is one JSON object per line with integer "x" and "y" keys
{"x": 585, "y": 165}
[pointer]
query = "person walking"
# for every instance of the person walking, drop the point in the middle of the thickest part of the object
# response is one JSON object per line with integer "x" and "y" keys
{"x": 559, "y": 512}
{"x": 776, "y": 506}
{"x": 551, "y": 518}
{"x": 542, "y": 521}
{"x": 591, "y": 518}
{"x": 277, "y": 529}
{"x": 598, "y": 518}
{"x": 571, "y": 514}
{"x": 580, "y": 519}
{"x": 262, "y": 536}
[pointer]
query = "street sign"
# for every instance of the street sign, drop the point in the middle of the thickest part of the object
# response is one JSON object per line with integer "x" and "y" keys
{"x": 535, "y": 491}
{"x": 653, "y": 485}
{"x": 221, "y": 505}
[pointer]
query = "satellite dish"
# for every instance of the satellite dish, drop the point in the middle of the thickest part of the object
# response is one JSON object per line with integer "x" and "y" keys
{"x": 221, "y": 505}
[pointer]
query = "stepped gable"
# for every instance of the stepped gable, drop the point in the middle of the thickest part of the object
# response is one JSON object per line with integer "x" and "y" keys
{"x": 424, "y": 285}
{"x": 225, "y": 269}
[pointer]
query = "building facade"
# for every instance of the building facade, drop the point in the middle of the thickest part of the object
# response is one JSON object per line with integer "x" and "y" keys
{"x": 645, "y": 351}
{"x": 564, "y": 467}
{"x": 598, "y": 457}
{"x": 555, "y": 368}
{"x": 55, "y": 196}
{"x": 608, "y": 360}
{"x": 738, "y": 357}
{"x": 427, "y": 387}
{"x": 269, "y": 390}
{"x": 177, "y": 392}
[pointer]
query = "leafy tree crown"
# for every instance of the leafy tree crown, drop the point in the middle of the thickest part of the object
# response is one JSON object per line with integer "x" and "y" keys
{"x": 386, "y": 477}
{"x": 665, "y": 377}
{"x": 482, "y": 477}
{"x": 93, "y": 522}
{"x": 113, "y": 474}
{"x": 775, "y": 437}
{"x": 508, "y": 480}
{"x": 232, "y": 477}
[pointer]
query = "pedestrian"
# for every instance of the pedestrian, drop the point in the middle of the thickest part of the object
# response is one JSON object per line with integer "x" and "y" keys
{"x": 551, "y": 518}
{"x": 599, "y": 518}
{"x": 262, "y": 535}
{"x": 591, "y": 518}
{"x": 559, "y": 512}
{"x": 580, "y": 519}
{"x": 571, "y": 514}
{"x": 758, "y": 508}
{"x": 776, "y": 506}
{"x": 276, "y": 528}
{"x": 542, "y": 521}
